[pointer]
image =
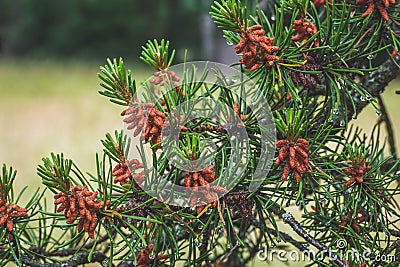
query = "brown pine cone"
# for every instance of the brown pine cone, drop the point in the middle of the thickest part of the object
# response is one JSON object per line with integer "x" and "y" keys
{"x": 143, "y": 257}
{"x": 353, "y": 222}
{"x": 309, "y": 81}
{"x": 241, "y": 202}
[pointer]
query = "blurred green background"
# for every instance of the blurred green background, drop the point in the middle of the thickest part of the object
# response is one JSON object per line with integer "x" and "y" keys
{"x": 50, "y": 52}
{"x": 90, "y": 29}
{"x": 94, "y": 29}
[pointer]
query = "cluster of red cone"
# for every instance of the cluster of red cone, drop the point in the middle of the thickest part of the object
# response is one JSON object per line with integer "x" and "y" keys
{"x": 356, "y": 172}
{"x": 354, "y": 222}
{"x": 147, "y": 120}
{"x": 123, "y": 173}
{"x": 203, "y": 192}
{"x": 304, "y": 29}
{"x": 143, "y": 257}
{"x": 296, "y": 156}
{"x": 80, "y": 203}
{"x": 160, "y": 77}
{"x": 256, "y": 48}
{"x": 9, "y": 212}
{"x": 381, "y": 5}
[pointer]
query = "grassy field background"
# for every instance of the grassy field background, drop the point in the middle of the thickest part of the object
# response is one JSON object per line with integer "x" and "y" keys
{"x": 50, "y": 106}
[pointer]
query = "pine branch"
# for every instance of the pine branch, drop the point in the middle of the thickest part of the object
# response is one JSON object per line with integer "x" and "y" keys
{"x": 117, "y": 82}
{"x": 376, "y": 82}
{"x": 156, "y": 54}
{"x": 204, "y": 246}
{"x": 131, "y": 263}
{"x": 337, "y": 45}
{"x": 292, "y": 241}
{"x": 296, "y": 226}
{"x": 72, "y": 251}
{"x": 286, "y": 237}
{"x": 75, "y": 261}
{"x": 389, "y": 128}
{"x": 230, "y": 15}
{"x": 389, "y": 164}
{"x": 34, "y": 263}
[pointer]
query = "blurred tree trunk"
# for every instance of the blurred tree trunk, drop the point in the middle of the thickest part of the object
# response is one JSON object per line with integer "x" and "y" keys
{"x": 213, "y": 45}
{"x": 10, "y": 14}
{"x": 207, "y": 29}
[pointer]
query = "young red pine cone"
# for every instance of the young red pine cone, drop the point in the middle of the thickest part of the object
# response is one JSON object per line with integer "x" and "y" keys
{"x": 256, "y": 48}
{"x": 207, "y": 196}
{"x": 345, "y": 221}
{"x": 356, "y": 172}
{"x": 162, "y": 76}
{"x": 153, "y": 128}
{"x": 394, "y": 52}
{"x": 203, "y": 192}
{"x": 202, "y": 199}
{"x": 136, "y": 117}
{"x": 349, "y": 182}
{"x": 305, "y": 29}
{"x": 354, "y": 223}
{"x": 143, "y": 257}
{"x": 318, "y": 3}
{"x": 148, "y": 121}
{"x": 123, "y": 172}
{"x": 9, "y": 212}
{"x": 236, "y": 110}
{"x": 381, "y": 5}
{"x": 80, "y": 203}
{"x": 296, "y": 156}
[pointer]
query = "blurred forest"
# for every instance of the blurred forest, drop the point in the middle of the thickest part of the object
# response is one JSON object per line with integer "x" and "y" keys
{"x": 90, "y": 29}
